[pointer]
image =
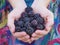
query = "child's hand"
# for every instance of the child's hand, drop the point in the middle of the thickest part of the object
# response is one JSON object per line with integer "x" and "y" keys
{"x": 49, "y": 20}
{"x": 14, "y": 15}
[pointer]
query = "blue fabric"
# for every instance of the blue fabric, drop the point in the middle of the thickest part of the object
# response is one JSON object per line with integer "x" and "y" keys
{"x": 2, "y": 4}
{"x": 29, "y": 2}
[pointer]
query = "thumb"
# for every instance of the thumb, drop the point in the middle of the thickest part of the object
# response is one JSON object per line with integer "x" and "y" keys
{"x": 11, "y": 25}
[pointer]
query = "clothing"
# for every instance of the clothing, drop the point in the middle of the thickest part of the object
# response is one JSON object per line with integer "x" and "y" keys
{"x": 53, "y": 38}
{"x": 0, "y": 16}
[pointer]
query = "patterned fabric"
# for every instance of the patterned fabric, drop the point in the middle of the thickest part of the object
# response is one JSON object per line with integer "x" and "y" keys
{"x": 2, "y": 4}
{"x": 29, "y": 2}
{"x": 53, "y": 38}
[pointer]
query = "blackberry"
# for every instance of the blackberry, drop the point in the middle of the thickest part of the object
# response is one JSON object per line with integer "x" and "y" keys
{"x": 36, "y": 15}
{"x": 20, "y": 19}
{"x": 40, "y": 27}
{"x": 31, "y": 14}
{"x": 24, "y": 14}
{"x": 26, "y": 19}
{"x": 28, "y": 9}
{"x": 27, "y": 24}
{"x": 40, "y": 20}
{"x": 16, "y": 23}
{"x": 23, "y": 29}
{"x": 31, "y": 18}
{"x": 34, "y": 23}
{"x": 21, "y": 23}
{"x": 30, "y": 31}
{"x": 17, "y": 29}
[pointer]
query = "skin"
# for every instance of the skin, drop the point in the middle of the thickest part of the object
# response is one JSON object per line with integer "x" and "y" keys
{"x": 14, "y": 15}
{"x": 47, "y": 15}
{"x": 38, "y": 6}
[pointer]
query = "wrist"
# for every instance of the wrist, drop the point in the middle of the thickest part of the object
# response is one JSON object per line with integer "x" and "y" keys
{"x": 38, "y": 3}
{"x": 17, "y": 3}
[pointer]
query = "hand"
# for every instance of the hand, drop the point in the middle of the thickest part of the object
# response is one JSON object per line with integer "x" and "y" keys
{"x": 14, "y": 15}
{"x": 49, "y": 20}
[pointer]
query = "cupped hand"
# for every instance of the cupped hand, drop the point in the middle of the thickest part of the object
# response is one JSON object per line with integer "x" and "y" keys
{"x": 48, "y": 17}
{"x": 15, "y": 14}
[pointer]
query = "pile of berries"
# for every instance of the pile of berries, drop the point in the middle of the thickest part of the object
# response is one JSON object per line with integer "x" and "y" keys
{"x": 29, "y": 22}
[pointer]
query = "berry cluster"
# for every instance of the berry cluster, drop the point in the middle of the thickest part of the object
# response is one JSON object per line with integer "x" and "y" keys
{"x": 29, "y": 22}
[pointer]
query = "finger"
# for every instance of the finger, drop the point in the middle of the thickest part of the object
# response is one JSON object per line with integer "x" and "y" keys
{"x": 25, "y": 39}
{"x": 48, "y": 26}
{"x": 36, "y": 38}
{"x": 19, "y": 34}
{"x": 29, "y": 41}
{"x": 12, "y": 29}
{"x": 33, "y": 39}
{"x": 36, "y": 35}
{"x": 41, "y": 32}
{"x": 49, "y": 21}
{"x": 10, "y": 24}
